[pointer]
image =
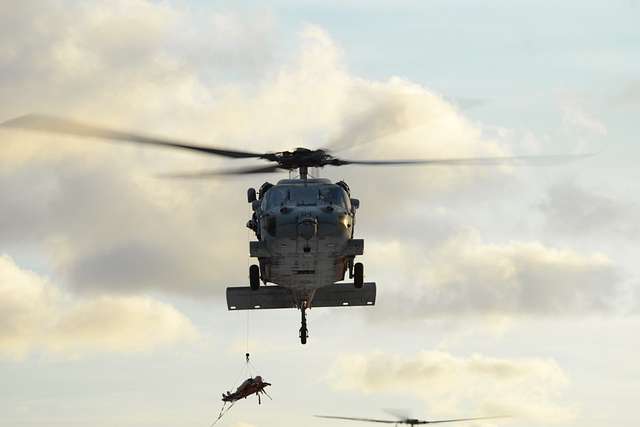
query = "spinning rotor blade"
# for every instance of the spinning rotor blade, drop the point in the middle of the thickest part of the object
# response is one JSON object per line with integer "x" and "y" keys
{"x": 410, "y": 421}
{"x": 462, "y": 419}
{"x": 471, "y": 161}
{"x": 222, "y": 172}
{"x": 289, "y": 160}
{"x": 387, "y": 117}
{"x": 359, "y": 419}
{"x": 62, "y": 126}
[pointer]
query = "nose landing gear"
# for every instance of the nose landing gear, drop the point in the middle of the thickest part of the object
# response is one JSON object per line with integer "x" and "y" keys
{"x": 304, "y": 332}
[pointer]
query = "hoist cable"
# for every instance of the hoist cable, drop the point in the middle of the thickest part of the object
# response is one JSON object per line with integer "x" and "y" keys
{"x": 223, "y": 412}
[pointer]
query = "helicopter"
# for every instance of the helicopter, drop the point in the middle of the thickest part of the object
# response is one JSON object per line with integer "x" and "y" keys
{"x": 403, "y": 419}
{"x": 304, "y": 226}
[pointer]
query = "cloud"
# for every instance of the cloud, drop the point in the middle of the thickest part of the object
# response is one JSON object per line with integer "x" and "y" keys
{"x": 84, "y": 55}
{"x": 571, "y": 210}
{"x": 37, "y": 316}
{"x": 398, "y": 119}
{"x": 629, "y": 96}
{"x": 581, "y": 125}
{"x": 575, "y": 116}
{"x": 93, "y": 210}
{"x": 104, "y": 229}
{"x": 464, "y": 276}
{"x": 480, "y": 385}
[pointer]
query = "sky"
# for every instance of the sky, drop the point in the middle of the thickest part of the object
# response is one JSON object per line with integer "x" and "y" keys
{"x": 505, "y": 290}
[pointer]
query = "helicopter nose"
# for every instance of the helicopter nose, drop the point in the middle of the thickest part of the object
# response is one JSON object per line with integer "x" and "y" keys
{"x": 307, "y": 227}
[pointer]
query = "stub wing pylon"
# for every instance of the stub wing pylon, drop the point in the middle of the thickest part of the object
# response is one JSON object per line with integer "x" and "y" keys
{"x": 273, "y": 297}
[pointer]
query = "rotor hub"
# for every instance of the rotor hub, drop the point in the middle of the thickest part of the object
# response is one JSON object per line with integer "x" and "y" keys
{"x": 301, "y": 158}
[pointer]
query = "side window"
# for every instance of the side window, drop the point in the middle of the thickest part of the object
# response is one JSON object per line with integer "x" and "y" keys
{"x": 275, "y": 197}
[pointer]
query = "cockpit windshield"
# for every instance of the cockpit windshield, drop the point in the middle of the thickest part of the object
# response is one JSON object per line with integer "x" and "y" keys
{"x": 306, "y": 196}
{"x": 334, "y": 196}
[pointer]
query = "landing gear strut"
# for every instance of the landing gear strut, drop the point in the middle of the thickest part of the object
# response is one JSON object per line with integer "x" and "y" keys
{"x": 254, "y": 277}
{"x": 358, "y": 275}
{"x": 304, "y": 332}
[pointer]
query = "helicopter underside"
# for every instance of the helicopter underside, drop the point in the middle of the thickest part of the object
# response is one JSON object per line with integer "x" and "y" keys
{"x": 306, "y": 272}
{"x": 303, "y": 266}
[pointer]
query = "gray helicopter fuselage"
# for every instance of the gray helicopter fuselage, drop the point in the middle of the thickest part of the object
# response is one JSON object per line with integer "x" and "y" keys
{"x": 305, "y": 234}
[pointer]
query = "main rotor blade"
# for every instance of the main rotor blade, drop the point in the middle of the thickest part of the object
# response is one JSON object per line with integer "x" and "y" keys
{"x": 406, "y": 421}
{"x": 386, "y": 117}
{"x": 462, "y": 419}
{"x": 401, "y": 414}
{"x": 222, "y": 172}
{"x": 44, "y": 123}
{"x": 359, "y": 419}
{"x": 471, "y": 161}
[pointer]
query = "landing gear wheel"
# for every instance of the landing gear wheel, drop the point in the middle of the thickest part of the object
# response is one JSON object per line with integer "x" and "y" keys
{"x": 254, "y": 277}
{"x": 358, "y": 275}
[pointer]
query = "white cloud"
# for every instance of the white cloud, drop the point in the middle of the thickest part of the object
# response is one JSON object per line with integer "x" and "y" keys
{"x": 465, "y": 276}
{"x": 480, "y": 385}
{"x": 571, "y": 210}
{"x": 103, "y": 226}
{"x": 581, "y": 125}
{"x": 36, "y": 316}
{"x": 629, "y": 96}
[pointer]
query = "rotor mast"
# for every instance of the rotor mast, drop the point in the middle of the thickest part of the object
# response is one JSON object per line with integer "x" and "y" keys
{"x": 304, "y": 172}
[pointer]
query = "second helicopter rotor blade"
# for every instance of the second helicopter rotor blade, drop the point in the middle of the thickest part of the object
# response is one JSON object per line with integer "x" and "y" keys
{"x": 371, "y": 420}
{"x": 471, "y": 161}
{"x": 221, "y": 172}
{"x": 462, "y": 419}
{"x": 44, "y": 123}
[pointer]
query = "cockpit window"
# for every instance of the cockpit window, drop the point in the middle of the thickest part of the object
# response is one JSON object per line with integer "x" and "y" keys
{"x": 304, "y": 195}
{"x": 334, "y": 196}
{"x": 276, "y": 196}
{"x": 296, "y": 195}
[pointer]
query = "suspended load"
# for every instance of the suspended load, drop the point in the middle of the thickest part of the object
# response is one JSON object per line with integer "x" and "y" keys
{"x": 247, "y": 388}
{"x": 252, "y": 385}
